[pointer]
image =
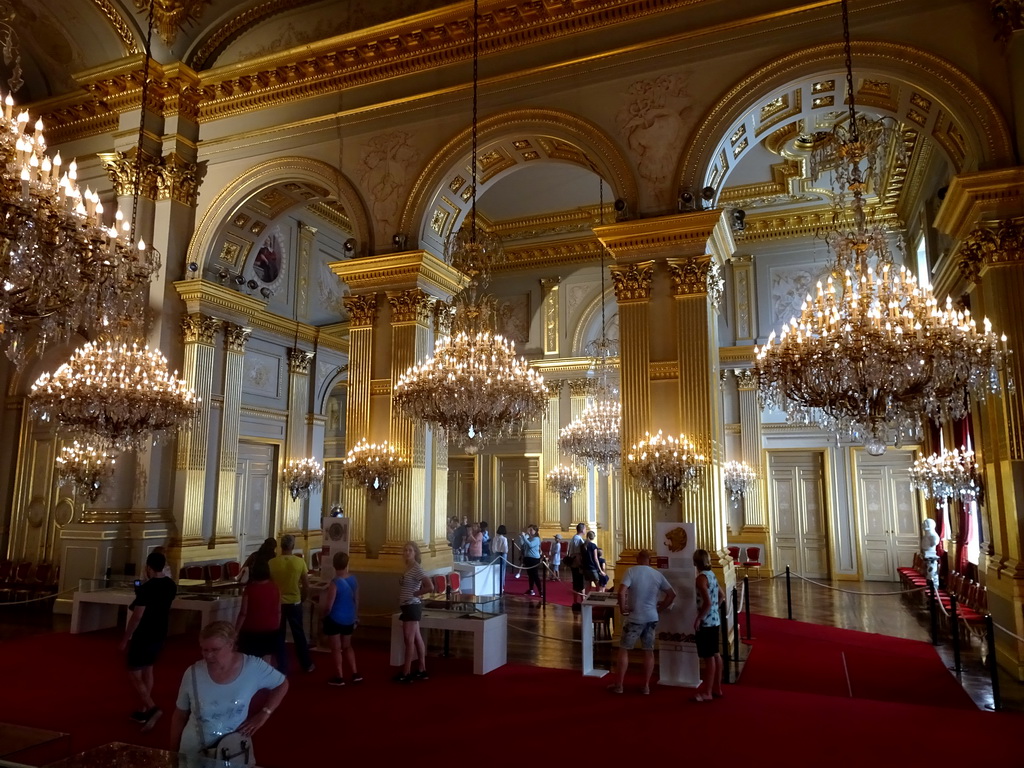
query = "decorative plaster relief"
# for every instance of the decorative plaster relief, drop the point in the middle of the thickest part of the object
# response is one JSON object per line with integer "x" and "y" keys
{"x": 386, "y": 161}
{"x": 790, "y": 287}
{"x": 262, "y": 374}
{"x": 514, "y": 318}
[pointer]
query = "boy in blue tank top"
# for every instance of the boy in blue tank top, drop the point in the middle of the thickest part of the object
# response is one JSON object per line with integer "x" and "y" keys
{"x": 340, "y": 603}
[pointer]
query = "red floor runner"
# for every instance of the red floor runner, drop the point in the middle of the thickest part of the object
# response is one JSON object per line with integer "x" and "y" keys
{"x": 76, "y": 683}
{"x": 558, "y": 592}
{"x": 795, "y": 656}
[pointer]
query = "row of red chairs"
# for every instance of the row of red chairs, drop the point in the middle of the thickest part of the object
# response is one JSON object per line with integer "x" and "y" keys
{"x": 750, "y": 558}
{"x": 971, "y": 597}
{"x": 211, "y": 572}
{"x": 27, "y": 580}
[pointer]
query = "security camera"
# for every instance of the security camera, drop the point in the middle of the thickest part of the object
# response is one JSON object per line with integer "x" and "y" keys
{"x": 266, "y": 292}
{"x": 685, "y": 201}
{"x": 239, "y": 280}
{"x": 193, "y": 267}
{"x": 707, "y": 194}
{"x": 398, "y": 240}
{"x": 738, "y": 217}
{"x": 349, "y": 246}
{"x": 252, "y": 285}
{"x": 621, "y": 210}
{"x": 223, "y": 276}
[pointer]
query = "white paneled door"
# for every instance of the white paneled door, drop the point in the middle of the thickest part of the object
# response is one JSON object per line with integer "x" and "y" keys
{"x": 254, "y": 495}
{"x": 518, "y": 493}
{"x": 887, "y": 513}
{"x": 796, "y": 488}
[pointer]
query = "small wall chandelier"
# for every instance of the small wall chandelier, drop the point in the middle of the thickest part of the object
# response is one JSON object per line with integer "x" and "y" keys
{"x": 474, "y": 388}
{"x": 873, "y": 352}
{"x": 84, "y": 467}
{"x": 947, "y": 475}
{"x": 303, "y": 476}
{"x": 376, "y": 466}
{"x": 739, "y": 477}
{"x": 564, "y": 481}
{"x": 666, "y": 465}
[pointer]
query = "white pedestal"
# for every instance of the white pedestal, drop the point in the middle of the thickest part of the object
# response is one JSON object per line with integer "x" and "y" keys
{"x": 490, "y": 636}
{"x": 479, "y": 578}
{"x": 594, "y": 600}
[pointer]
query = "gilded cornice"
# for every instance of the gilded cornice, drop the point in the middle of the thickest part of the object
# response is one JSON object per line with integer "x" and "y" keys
{"x": 411, "y": 306}
{"x": 329, "y": 212}
{"x": 736, "y": 357}
{"x": 565, "y": 367}
{"x": 677, "y": 235}
{"x": 124, "y": 32}
{"x": 398, "y": 271}
{"x": 362, "y": 309}
{"x": 1001, "y": 243}
{"x": 199, "y": 329}
{"x": 805, "y": 222}
{"x": 271, "y": 414}
{"x": 560, "y": 253}
{"x": 632, "y": 281}
{"x": 222, "y": 302}
{"x": 975, "y": 198}
{"x": 558, "y": 223}
{"x": 783, "y": 173}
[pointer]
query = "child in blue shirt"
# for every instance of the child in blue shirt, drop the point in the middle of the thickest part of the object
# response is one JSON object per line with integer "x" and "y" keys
{"x": 340, "y": 602}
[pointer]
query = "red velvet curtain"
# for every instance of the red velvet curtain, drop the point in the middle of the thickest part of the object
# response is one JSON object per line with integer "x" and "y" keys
{"x": 965, "y": 511}
{"x": 934, "y": 441}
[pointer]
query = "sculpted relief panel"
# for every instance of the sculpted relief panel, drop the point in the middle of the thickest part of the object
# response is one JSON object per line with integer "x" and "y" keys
{"x": 790, "y": 287}
{"x": 387, "y": 162}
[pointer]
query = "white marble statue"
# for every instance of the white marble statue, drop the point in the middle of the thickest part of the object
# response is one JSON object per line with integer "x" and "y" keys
{"x": 929, "y": 542}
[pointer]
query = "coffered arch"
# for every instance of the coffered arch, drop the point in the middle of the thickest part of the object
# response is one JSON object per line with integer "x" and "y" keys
{"x": 929, "y": 96}
{"x": 508, "y": 141}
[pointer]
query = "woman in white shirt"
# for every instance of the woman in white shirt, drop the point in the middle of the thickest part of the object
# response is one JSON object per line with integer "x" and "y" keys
{"x": 499, "y": 548}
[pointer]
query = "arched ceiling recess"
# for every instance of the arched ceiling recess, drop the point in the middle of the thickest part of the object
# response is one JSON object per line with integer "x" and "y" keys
{"x": 935, "y": 102}
{"x": 239, "y": 216}
{"x": 511, "y": 142}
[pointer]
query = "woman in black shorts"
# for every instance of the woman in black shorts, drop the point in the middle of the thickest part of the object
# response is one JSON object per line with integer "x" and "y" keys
{"x": 413, "y": 583}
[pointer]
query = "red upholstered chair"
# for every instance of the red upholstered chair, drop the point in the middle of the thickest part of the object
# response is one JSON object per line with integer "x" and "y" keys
{"x": 753, "y": 559}
{"x": 455, "y": 582}
{"x": 232, "y": 568}
{"x": 214, "y": 572}
{"x": 734, "y": 553}
{"x": 194, "y": 572}
{"x": 6, "y": 569}
{"x": 545, "y": 549}
{"x": 440, "y": 585}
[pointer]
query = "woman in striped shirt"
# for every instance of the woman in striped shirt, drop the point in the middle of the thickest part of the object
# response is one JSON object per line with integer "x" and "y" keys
{"x": 413, "y": 583}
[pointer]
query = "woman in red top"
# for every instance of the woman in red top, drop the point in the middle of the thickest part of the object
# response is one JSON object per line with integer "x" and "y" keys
{"x": 259, "y": 620}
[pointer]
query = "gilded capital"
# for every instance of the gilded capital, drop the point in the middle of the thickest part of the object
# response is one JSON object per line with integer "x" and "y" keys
{"x": 362, "y": 309}
{"x": 236, "y": 337}
{"x": 1001, "y": 243}
{"x": 411, "y": 306}
{"x": 553, "y": 386}
{"x": 299, "y": 361}
{"x": 121, "y": 170}
{"x": 697, "y": 276}
{"x": 199, "y": 329}
{"x": 746, "y": 378}
{"x": 633, "y": 281}
{"x": 580, "y": 387}
{"x": 178, "y": 180}
{"x": 444, "y": 317}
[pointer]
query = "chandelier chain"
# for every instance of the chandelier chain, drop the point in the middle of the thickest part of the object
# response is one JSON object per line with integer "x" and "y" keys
{"x": 146, "y": 60}
{"x": 854, "y": 133}
{"x": 476, "y": 78}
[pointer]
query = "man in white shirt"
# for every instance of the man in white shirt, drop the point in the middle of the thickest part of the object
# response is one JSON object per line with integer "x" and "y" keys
{"x": 574, "y": 558}
{"x": 639, "y": 593}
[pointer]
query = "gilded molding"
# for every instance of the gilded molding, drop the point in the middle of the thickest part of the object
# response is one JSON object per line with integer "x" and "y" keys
{"x": 805, "y": 222}
{"x": 124, "y": 32}
{"x": 633, "y": 281}
{"x": 299, "y": 361}
{"x": 362, "y": 309}
{"x": 170, "y": 15}
{"x": 199, "y": 329}
{"x": 411, "y": 306}
{"x": 246, "y": 20}
{"x": 380, "y": 387}
{"x": 551, "y": 293}
{"x": 664, "y": 370}
{"x": 1001, "y": 243}
{"x": 236, "y": 337}
{"x": 697, "y": 276}
{"x": 396, "y": 271}
{"x": 562, "y": 253}
{"x": 736, "y": 357}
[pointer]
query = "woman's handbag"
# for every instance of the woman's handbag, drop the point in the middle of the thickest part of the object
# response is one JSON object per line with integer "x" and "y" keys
{"x": 234, "y": 749}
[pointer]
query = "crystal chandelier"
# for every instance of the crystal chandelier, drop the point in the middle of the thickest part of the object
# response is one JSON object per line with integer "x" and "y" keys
{"x": 595, "y": 436}
{"x": 84, "y": 467}
{"x": 116, "y": 393}
{"x": 739, "y": 477}
{"x": 375, "y": 466}
{"x": 475, "y": 389}
{"x": 666, "y": 465}
{"x": 873, "y": 352}
{"x": 303, "y": 476}
{"x": 564, "y": 481}
{"x": 951, "y": 474}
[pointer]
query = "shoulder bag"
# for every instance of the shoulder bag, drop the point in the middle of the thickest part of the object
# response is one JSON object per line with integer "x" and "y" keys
{"x": 234, "y": 749}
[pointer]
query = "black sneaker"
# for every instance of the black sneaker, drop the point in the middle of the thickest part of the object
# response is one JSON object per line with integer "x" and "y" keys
{"x": 336, "y": 681}
{"x": 357, "y": 678}
{"x": 152, "y": 716}
{"x": 400, "y": 678}
{"x": 139, "y": 717}
{"x": 421, "y": 675}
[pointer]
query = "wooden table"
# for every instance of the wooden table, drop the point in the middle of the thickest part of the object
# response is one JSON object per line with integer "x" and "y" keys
{"x": 98, "y": 610}
{"x": 490, "y": 636}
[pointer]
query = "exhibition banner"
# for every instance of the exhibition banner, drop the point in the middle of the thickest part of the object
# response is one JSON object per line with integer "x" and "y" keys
{"x": 674, "y": 548}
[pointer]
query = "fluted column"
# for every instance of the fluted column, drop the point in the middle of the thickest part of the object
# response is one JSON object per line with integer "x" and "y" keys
{"x": 362, "y": 312}
{"x": 296, "y": 445}
{"x": 198, "y": 333}
{"x": 751, "y": 439}
{"x": 633, "y": 292}
{"x": 696, "y": 286}
{"x": 551, "y": 512}
{"x": 235, "y": 339}
{"x": 579, "y": 391}
{"x": 407, "y": 504}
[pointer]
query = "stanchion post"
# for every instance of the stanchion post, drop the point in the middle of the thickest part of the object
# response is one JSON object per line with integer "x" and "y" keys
{"x": 933, "y": 609}
{"x": 736, "y": 630}
{"x": 746, "y": 604}
{"x": 789, "y": 596}
{"x": 725, "y": 649}
{"x": 954, "y": 623}
{"x": 543, "y": 584}
{"x": 993, "y": 667}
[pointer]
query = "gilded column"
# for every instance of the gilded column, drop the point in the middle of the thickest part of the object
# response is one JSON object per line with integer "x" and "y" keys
{"x": 296, "y": 445}
{"x": 579, "y": 391}
{"x": 444, "y": 314}
{"x": 755, "y": 517}
{"x": 235, "y": 339}
{"x": 697, "y": 288}
{"x": 408, "y": 505}
{"x": 633, "y": 292}
{"x": 198, "y": 332}
{"x": 362, "y": 312}
{"x": 551, "y": 514}
{"x": 550, "y": 291}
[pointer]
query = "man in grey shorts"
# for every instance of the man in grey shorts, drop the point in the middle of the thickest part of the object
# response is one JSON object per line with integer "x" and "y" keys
{"x": 639, "y": 593}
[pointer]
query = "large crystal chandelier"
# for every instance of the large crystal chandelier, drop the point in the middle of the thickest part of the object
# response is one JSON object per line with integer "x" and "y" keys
{"x": 739, "y": 477}
{"x": 595, "y": 436}
{"x": 84, "y": 467}
{"x": 375, "y": 466}
{"x": 666, "y": 465}
{"x": 564, "y": 481}
{"x": 947, "y": 475}
{"x": 115, "y": 392}
{"x": 474, "y": 388}
{"x": 873, "y": 352}
{"x": 61, "y": 267}
{"x": 303, "y": 477}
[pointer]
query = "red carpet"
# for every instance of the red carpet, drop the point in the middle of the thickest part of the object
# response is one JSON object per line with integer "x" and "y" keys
{"x": 76, "y": 683}
{"x": 558, "y": 592}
